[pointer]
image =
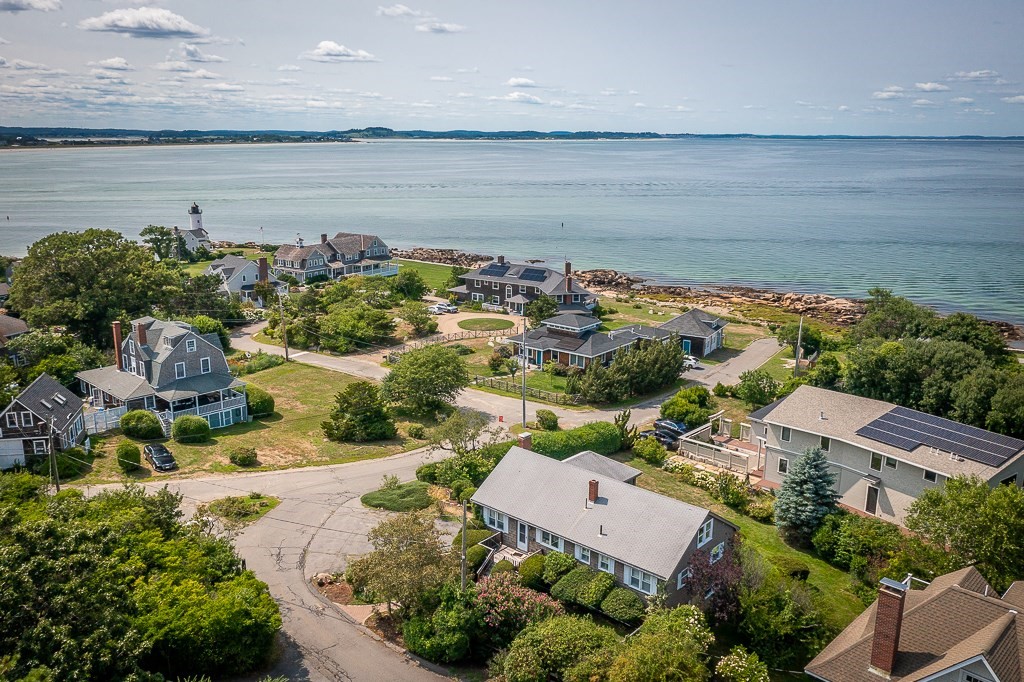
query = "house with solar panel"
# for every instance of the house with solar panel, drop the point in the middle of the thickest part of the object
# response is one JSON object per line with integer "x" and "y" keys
{"x": 510, "y": 286}
{"x": 884, "y": 456}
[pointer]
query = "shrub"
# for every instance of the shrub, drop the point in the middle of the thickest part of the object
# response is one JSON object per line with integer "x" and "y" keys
{"x": 730, "y": 490}
{"x": 596, "y": 589}
{"x": 66, "y": 467}
{"x": 256, "y": 363}
{"x": 469, "y": 466}
{"x": 473, "y": 537}
{"x": 721, "y": 390}
{"x": 569, "y": 586}
{"x": 650, "y": 451}
{"x": 741, "y": 666}
{"x": 503, "y": 566}
{"x": 460, "y": 485}
{"x": 762, "y": 508}
{"x": 508, "y": 607}
{"x": 467, "y": 494}
{"x": 792, "y": 567}
{"x": 531, "y": 571}
{"x": 189, "y": 428}
{"x": 624, "y": 605}
{"x": 447, "y": 635}
{"x": 417, "y": 431}
{"x": 406, "y": 497}
{"x": 556, "y": 369}
{"x": 461, "y": 349}
{"x": 557, "y": 564}
{"x": 243, "y": 457}
{"x": 601, "y": 437}
{"x": 551, "y": 646}
{"x": 475, "y": 557}
{"x": 259, "y": 402}
{"x": 128, "y": 456}
{"x": 141, "y": 424}
{"x": 427, "y": 472}
{"x": 495, "y": 362}
{"x": 547, "y": 420}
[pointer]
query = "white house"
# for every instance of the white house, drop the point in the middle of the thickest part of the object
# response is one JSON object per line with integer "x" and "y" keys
{"x": 240, "y": 276}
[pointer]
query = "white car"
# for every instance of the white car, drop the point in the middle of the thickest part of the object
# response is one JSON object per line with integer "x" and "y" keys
{"x": 442, "y": 308}
{"x": 689, "y": 362}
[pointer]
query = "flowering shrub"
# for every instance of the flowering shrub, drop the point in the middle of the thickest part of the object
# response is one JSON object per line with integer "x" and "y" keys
{"x": 741, "y": 666}
{"x": 508, "y": 607}
{"x": 724, "y": 487}
{"x": 681, "y": 621}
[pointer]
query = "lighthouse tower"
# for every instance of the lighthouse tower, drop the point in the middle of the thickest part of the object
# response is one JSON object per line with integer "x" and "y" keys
{"x": 195, "y": 214}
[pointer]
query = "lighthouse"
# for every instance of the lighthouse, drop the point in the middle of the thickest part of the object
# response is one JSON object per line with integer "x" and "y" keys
{"x": 195, "y": 214}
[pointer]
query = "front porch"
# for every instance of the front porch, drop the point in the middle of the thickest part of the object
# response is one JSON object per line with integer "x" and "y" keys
{"x": 373, "y": 269}
{"x": 220, "y": 408}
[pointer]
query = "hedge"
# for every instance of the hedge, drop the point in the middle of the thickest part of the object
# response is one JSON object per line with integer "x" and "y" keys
{"x": 601, "y": 437}
{"x": 570, "y": 585}
{"x": 475, "y": 557}
{"x": 141, "y": 424}
{"x": 503, "y": 566}
{"x": 624, "y": 605}
{"x": 128, "y": 456}
{"x": 259, "y": 402}
{"x": 189, "y": 428}
{"x": 596, "y": 589}
{"x": 473, "y": 537}
{"x": 427, "y": 472}
{"x": 557, "y": 564}
{"x": 531, "y": 572}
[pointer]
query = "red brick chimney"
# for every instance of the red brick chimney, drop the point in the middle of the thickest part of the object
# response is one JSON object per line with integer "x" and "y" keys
{"x": 140, "y": 334}
{"x": 323, "y": 238}
{"x": 568, "y": 277}
{"x": 264, "y": 275}
{"x": 526, "y": 441}
{"x": 592, "y": 492}
{"x": 888, "y": 623}
{"x": 117, "y": 345}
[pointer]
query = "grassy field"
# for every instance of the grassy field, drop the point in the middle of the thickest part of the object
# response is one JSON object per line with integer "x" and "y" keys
{"x": 434, "y": 274}
{"x": 241, "y": 511}
{"x": 776, "y": 366}
{"x": 833, "y": 587}
{"x": 252, "y": 254}
{"x": 625, "y": 314}
{"x": 486, "y": 324}
{"x": 412, "y": 496}
{"x": 291, "y": 437}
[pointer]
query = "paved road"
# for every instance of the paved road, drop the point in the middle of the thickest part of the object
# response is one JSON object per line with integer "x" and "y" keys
{"x": 318, "y": 525}
{"x": 728, "y": 372}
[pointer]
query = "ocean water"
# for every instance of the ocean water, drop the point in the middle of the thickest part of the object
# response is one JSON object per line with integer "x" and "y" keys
{"x": 939, "y": 221}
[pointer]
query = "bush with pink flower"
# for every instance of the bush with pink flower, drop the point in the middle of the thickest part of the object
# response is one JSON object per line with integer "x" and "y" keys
{"x": 508, "y": 607}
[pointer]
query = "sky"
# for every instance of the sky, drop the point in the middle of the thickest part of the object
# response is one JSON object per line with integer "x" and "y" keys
{"x": 864, "y": 67}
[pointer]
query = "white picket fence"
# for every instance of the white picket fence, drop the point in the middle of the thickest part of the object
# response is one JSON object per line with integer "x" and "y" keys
{"x": 104, "y": 420}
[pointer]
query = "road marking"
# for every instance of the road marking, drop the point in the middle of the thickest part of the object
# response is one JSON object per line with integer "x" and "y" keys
{"x": 300, "y": 353}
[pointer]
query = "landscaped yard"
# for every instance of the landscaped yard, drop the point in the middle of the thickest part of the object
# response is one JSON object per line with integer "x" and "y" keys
{"x": 777, "y": 365}
{"x": 735, "y": 340}
{"x": 833, "y": 587}
{"x": 241, "y": 511}
{"x": 626, "y": 314}
{"x": 434, "y": 274}
{"x": 486, "y": 324}
{"x": 304, "y": 397}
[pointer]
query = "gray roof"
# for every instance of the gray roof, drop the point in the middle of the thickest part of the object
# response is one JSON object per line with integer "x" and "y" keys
{"x": 636, "y": 526}
{"x": 762, "y": 412}
{"x": 121, "y": 385}
{"x": 343, "y": 243}
{"x": 590, "y": 343}
{"x": 574, "y": 320}
{"x": 599, "y": 464}
{"x": 197, "y": 385}
{"x": 49, "y": 400}
{"x": 845, "y": 414}
{"x": 553, "y": 281}
{"x": 694, "y": 322}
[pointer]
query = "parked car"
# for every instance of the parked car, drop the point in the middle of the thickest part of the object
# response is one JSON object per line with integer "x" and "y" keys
{"x": 689, "y": 362}
{"x": 674, "y": 428}
{"x": 670, "y": 441}
{"x": 160, "y": 457}
{"x": 442, "y": 308}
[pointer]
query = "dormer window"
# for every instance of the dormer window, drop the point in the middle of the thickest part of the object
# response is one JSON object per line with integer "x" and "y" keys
{"x": 190, "y": 345}
{"x": 131, "y": 346}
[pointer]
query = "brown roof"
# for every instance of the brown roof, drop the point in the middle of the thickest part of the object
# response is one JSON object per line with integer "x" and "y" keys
{"x": 957, "y": 618}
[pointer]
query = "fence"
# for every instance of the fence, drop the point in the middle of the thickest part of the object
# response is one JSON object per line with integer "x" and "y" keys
{"x": 715, "y": 455}
{"x": 104, "y": 420}
{"x": 513, "y": 387}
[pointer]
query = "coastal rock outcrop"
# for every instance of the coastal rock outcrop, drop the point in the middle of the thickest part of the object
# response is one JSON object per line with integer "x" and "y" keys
{"x": 611, "y": 280}
{"x": 443, "y": 256}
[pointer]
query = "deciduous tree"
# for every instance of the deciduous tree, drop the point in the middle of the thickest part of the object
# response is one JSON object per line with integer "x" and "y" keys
{"x": 540, "y": 309}
{"x": 757, "y": 387}
{"x": 416, "y": 315}
{"x": 426, "y": 379}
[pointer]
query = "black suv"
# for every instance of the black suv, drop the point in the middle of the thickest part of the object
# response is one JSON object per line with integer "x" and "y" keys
{"x": 160, "y": 457}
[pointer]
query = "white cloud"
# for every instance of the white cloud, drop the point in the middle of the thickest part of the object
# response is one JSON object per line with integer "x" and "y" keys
{"x": 109, "y": 76}
{"x": 330, "y": 51}
{"x": 962, "y": 100}
{"x": 447, "y": 79}
{"x": 4, "y": 42}
{"x": 979, "y": 75}
{"x": 178, "y": 67}
{"x": 113, "y": 64}
{"x": 145, "y": 22}
{"x": 680, "y": 107}
{"x": 23, "y": 5}
{"x": 203, "y": 74}
{"x": 641, "y": 105}
{"x": 224, "y": 87}
{"x": 886, "y": 94}
{"x": 3, "y": 63}
{"x": 439, "y": 27}
{"x": 293, "y": 81}
{"x": 1016, "y": 99}
{"x": 400, "y": 11}
{"x": 923, "y": 103}
{"x": 193, "y": 54}
{"x": 754, "y": 106}
{"x": 633, "y": 92}
{"x": 931, "y": 87}
{"x": 977, "y": 110}
{"x": 475, "y": 69}
{"x": 423, "y": 105}
{"x": 610, "y": 92}
{"x": 892, "y": 88}
{"x": 41, "y": 69}
{"x": 842, "y": 107}
{"x": 517, "y": 96}
{"x": 289, "y": 67}
{"x": 878, "y": 110}
{"x": 520, "y": 83}
{"x": 468, "y": 94}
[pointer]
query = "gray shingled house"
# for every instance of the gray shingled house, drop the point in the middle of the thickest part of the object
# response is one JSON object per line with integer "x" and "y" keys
{"x": 239, "y": 277}
{"x": 572, "y": 339}
{"x": 588, "y": 507}
{"x": 503, "y": 284}
{"x": 44, "y": 415}
{"x": 699, "y": 332}
{"x": 170, "y": 369}
{"x": 957, "y": 629}
{"x": 343, "y": 255}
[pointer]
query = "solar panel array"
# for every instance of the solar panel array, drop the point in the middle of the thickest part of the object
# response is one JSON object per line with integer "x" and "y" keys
{"x": 495, "y": 270}
{"x": 533, "y": 275}
{"x": 908, "y": 429}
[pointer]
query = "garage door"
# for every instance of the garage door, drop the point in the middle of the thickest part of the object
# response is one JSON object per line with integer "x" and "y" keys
{"x": 11, "y": 453}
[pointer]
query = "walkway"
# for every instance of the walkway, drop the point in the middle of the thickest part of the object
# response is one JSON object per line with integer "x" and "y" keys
{"x": 728, "y": 372}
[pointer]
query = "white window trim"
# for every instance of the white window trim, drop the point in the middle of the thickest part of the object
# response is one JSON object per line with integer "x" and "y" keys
{"x": 881, "y": 461}
{"x": 557, "y": 547}
{"x": 205, "y": 366}
{"x": 707, "y": 530}
{"x": 182, "y": 366}
{"x": 131, "y": 346}
{"x": 477, "y": 297}
{"x": 495, "y": 519}
{"x": 631, "y": 571}
{"x": 887, "y": 459}
{"x": 604, "y": 558}
{"x": 12, "y": 419}
{"x": 26, "y": 419}
{"x": 933, "y": 479}
{"x": 190, "y": 345}
{"x": 580, "y": 551}
{"x": 39, "y": 447}
{"x": 717, "y": 553}
{"x": 778, "y": 466}
{"x": 495, "y": 285}
{"x": 683, "y": 576}
{"x": 786, "y": 431}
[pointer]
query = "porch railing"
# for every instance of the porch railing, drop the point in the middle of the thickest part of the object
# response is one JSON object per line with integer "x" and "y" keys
{"x": 104, "y": 420}
{"x": 226, "y": 404}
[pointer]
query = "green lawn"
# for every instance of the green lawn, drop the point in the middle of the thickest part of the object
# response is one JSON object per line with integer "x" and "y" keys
{"x": 412, "y": 496}
{"x": 625, "y": 314}
{"x": 486, "y": 324}
{"x": 291, "y": 437}
{"x": 434, "y": 274}
{"x": 198, "y": 268}
{"x": 776, "y": 366}
{"x": 544, "y": 381}
{"x": 241, "y": 511}
{"x": 837, "y": 601}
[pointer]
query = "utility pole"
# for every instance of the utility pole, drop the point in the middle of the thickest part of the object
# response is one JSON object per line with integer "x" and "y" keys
{"x": 284, "y": 326}
{"x": 53, "y": 458}
{"x": 523, "y": 368}
{"x": 463, "y": 545}
{"x": 796, "y": 351}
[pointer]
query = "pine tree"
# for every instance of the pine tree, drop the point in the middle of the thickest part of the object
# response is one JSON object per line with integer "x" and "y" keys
{"x": 807, "y": 496}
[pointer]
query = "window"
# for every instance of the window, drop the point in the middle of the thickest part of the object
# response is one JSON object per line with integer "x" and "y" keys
{"x": 783, "y": 465}
{"x": 639, "y": 580}
{"x": 243, "y": 278}
{"x": 12, "y": 419}
{"x": 39, "y": 447}
{"x": 826, "y": 443}
{"x": 476, "y": 282}
{"x": 495, "y": 300}
{"x": 190, "y": 345}
{"x": 495, "y": 520}
{"x": 179, "y": 370}
{"x": 204, "y": 365}
{"x": 606, "y": 563}
{"x": 26, "y": 419}
{"x": 684, "y": 575}
{"x": 787, "y": 433}
{"x": 968, "y": 677}
{"x": 1012, "y": 480}
{"x": 131, "y": 346}
{"x": 478, "y": 297}
{"x": 583, "y": 554}
{"x": 522, "y": 288}
{"x": 876, "y": 461}
{"x": 705, "y": 532}
{"x": 495, "y": 285}
{"x": 891, "y": 463}
{"x": 709, "y": 594}
{"x": 548, "y": 540}
{"x": 717, "y": 553}
{"x": 930, "y": 476}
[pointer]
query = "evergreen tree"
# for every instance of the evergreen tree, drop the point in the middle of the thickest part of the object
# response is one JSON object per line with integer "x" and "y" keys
{"x": 807, "y": 496}
{"x": 361, "y": 415}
